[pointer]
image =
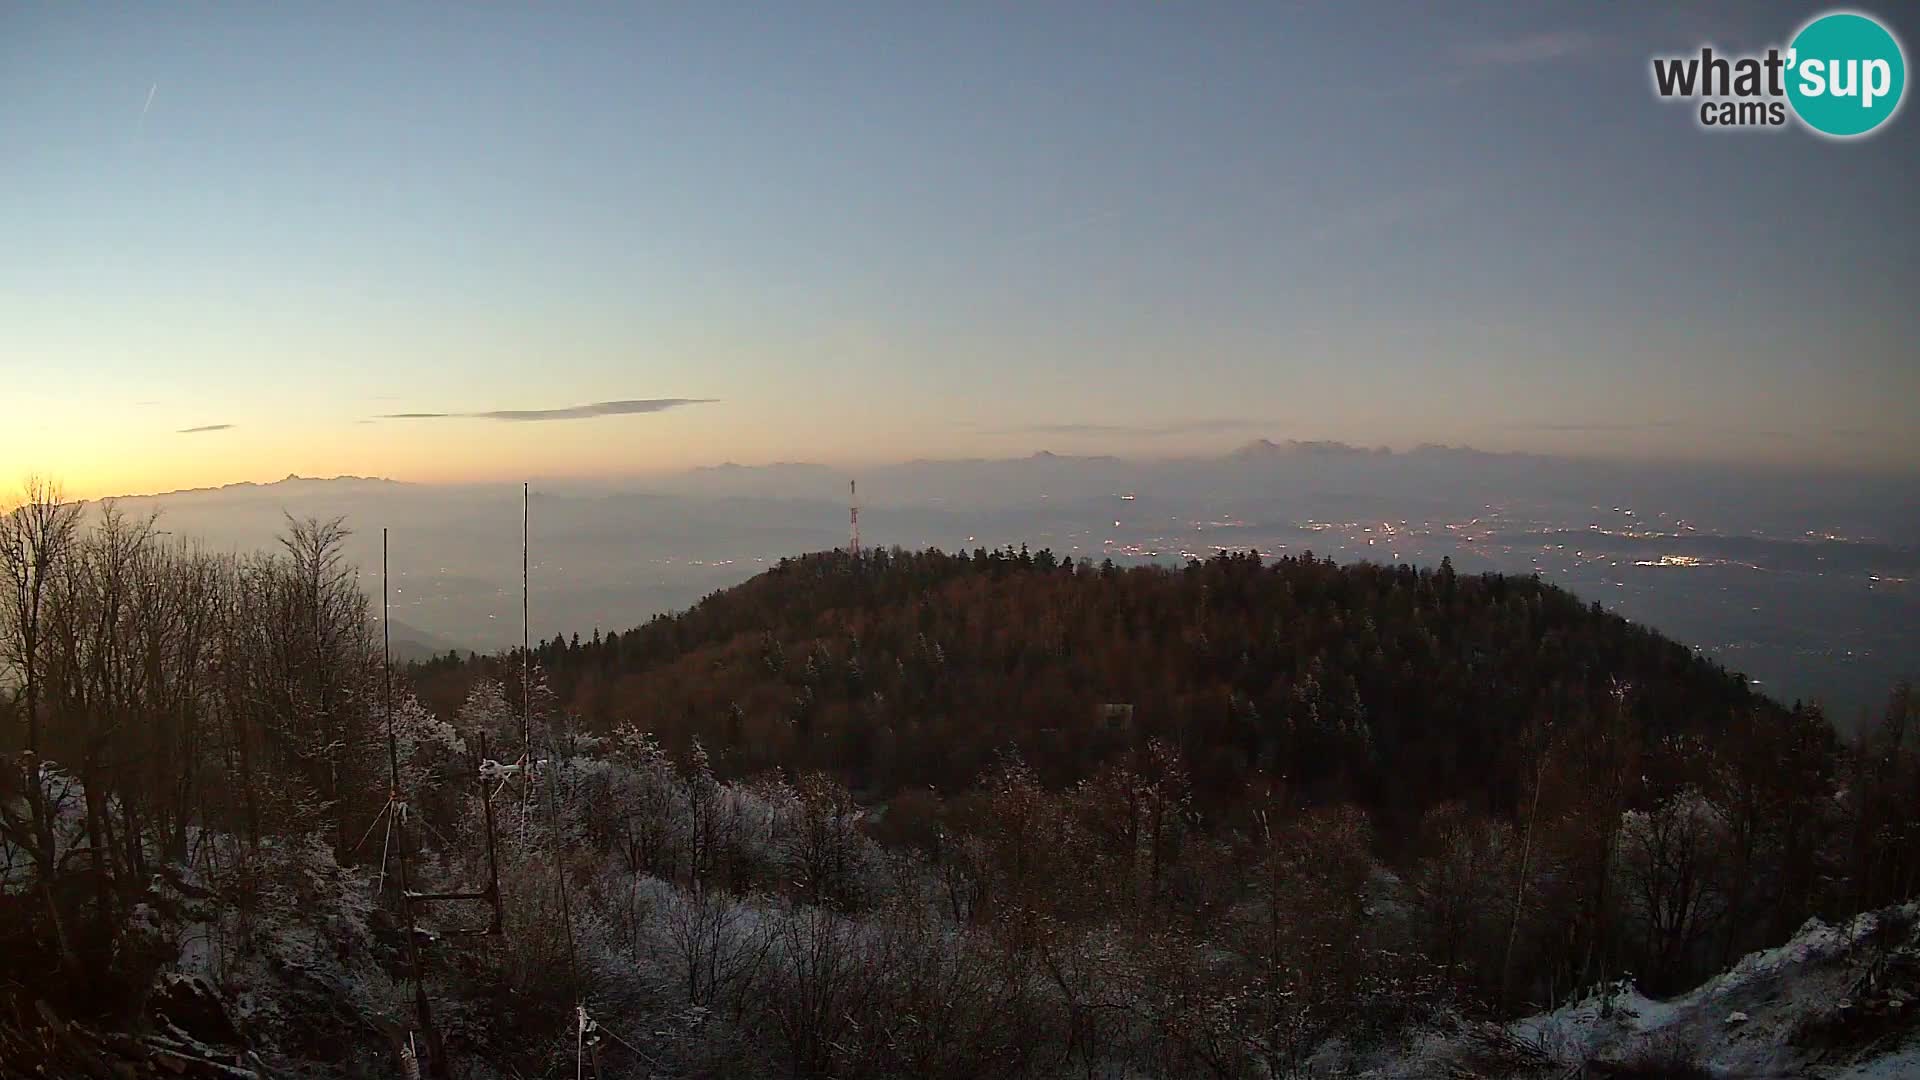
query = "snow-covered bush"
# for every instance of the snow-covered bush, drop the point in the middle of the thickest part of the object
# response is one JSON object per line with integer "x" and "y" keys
{"x": 1671, "y": 878}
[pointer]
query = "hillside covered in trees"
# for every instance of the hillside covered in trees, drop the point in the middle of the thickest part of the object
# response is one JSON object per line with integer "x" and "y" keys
{"x": 902, "y": 814}
{"x": 1394, "y": 687}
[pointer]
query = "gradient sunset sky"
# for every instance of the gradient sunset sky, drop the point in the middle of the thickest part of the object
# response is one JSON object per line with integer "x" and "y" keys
{"x": 869, "y": 232}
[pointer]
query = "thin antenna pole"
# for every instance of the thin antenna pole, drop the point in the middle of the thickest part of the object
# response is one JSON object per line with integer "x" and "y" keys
{"x": 386, "y": 661}
{"x": 566, "y": 910}
{"x": 853, "y": 509}
{"x": 436, "y": 1057}
{"x": 526, "y": 632}
{"x": 526, "y": 663}
{"x": 493, "y": 866}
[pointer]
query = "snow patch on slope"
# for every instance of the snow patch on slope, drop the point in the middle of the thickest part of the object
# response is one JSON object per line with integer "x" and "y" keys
{"x": 1837, "y": 1002}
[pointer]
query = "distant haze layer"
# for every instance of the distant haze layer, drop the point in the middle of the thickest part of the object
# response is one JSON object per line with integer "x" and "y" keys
{"x": 1808, "y": 581}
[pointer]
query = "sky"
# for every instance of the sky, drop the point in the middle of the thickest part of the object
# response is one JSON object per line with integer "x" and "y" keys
{"x": 236, "y": 241}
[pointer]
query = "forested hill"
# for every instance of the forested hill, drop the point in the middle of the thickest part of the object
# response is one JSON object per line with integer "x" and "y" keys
{"x": 1257, "y": 809}
{"x": 1387, "y": 685}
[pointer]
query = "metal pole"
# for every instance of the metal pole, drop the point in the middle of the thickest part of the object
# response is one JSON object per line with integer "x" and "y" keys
{"x": 436, "y": 1057}
{"x": 526, "y": 631}
{"x": 386, "y": 654}
{"x": 493, "y": 867}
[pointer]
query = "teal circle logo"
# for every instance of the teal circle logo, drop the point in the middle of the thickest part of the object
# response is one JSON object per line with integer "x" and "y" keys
{"x": 1845, "y": 74}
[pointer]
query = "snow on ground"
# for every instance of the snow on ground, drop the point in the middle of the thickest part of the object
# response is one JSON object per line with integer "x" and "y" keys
{"x": 1835, "y": 1002}
{"x": 1899, "y": 1065}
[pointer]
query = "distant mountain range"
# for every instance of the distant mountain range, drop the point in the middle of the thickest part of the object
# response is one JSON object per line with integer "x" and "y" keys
{"x": 1808, "y": 580}
{"x": 292, "y": 483}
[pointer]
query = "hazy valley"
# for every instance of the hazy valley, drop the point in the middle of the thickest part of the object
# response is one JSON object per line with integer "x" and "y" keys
{"x": 1807, "y": 581}
{"x": 1067, "y": 541}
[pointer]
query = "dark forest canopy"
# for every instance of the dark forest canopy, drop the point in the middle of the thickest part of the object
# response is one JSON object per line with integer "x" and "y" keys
{"x": 1253, "y": 806}
{"x": 1390, "y": 686}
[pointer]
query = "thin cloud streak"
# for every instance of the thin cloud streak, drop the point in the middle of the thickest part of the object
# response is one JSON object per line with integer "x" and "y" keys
{"x": 204, "y": 428}
{"x": 1641, "y": 425}
{"x": 1152, "y": 431}
{"x": 1629, "y": 427}
{"x": 629, "y": 407}
{"x": 1526, "y": 50}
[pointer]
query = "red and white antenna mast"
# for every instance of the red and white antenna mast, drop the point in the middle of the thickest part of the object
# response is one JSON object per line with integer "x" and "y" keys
{"x": 853, "y": 512}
